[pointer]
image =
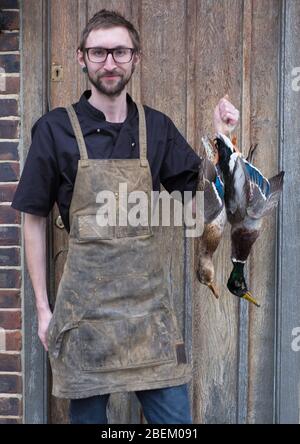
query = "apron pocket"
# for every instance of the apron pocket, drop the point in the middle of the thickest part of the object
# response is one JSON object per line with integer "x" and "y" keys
{"x": 135, "y": 342}
{"x": 55, "y": 338}
{"x": 89, "y": 230}
{"x": 49, "y": 330}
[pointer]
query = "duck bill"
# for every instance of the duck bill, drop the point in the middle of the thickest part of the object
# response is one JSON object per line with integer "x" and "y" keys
{"x": 212, "y": 286}
{"x": 248, "y": 296}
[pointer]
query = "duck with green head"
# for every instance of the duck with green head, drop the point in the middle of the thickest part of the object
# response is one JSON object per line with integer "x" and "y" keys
{"x": 249, "y": 196}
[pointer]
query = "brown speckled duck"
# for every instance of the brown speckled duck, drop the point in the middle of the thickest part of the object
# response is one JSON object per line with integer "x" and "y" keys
{"x": 214, "y": 217}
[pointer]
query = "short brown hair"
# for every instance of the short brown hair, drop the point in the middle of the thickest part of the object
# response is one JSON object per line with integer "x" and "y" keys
{"x": 105, "y": 19}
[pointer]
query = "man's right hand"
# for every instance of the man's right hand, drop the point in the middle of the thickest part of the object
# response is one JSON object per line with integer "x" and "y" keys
{"x": 44, "y": 318}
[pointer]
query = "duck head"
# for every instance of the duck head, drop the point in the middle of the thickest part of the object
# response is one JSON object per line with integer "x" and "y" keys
{"x": 237, "y": 284}
{"x": 206, "y": 273}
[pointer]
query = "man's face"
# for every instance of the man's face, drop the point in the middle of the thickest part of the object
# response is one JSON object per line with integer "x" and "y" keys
{"x": 109, "y": 77}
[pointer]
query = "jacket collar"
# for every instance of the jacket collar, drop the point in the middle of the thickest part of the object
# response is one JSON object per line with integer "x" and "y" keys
{"x": 84, "y": 107}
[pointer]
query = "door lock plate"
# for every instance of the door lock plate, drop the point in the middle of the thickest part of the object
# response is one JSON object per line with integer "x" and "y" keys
{"x": 56, "y": 73}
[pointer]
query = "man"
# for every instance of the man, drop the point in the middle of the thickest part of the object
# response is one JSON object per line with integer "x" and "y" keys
{"x": 113, "y": 327}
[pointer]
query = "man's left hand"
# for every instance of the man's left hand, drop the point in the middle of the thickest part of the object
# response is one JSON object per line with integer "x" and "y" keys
{"x": 226, "y": 116}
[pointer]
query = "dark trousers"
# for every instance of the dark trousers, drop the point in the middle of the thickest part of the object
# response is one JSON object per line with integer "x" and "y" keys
{"x": 160, "y": 406}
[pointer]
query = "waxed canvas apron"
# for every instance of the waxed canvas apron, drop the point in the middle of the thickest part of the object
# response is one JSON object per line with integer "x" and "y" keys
{"x": 113, "y": 328}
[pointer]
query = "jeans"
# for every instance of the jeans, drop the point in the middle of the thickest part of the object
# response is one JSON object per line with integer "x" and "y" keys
{"x": 160, "y": 406}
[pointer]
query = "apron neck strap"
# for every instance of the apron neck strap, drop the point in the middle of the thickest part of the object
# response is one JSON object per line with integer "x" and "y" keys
{"x": 81, "y": 143}
{"x": 78, "y": 134}
{"x": 142, "y": 135}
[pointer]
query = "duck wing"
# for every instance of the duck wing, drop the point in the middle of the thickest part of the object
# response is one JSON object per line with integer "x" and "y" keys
{"x": 213, "y": 192}
{"x": 276, "y": 186}
{"x": 265, "y": 194}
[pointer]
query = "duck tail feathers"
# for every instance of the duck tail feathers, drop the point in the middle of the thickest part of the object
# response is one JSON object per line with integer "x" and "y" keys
{"x": 251, "y": 153}
{"x": 276, "y": 183}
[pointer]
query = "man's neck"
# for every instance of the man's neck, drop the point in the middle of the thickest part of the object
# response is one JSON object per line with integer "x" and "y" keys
{"x": 114, "y": 108}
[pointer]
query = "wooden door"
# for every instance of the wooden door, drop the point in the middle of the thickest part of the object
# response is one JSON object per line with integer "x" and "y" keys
{"x": 195, "y": 51}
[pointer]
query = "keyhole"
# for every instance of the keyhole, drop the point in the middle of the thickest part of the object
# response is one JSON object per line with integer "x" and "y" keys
{"x": 57, "y": 73}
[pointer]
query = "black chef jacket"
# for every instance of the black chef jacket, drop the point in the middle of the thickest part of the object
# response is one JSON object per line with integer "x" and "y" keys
{"x": 51, "y": 165}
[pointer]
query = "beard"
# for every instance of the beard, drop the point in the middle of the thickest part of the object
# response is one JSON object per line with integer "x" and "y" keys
{"x": 113, "y": 90}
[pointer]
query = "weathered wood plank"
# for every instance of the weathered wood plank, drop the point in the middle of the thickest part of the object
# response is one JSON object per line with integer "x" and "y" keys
{"x": 163, "y": 87}
{"x": 245, "y": 124}
{"x": 34, "y": 75}
{"x": 288, "y": 308}
{"x": 262, "y": 263}
{"x": 64, "y": 41}
{"x": 65, "y": 19}
{"x": 134, "y": 86}
{"x": 189, "y": 258}
{"x": 218, "y": 71}
{"x": 163, "y": 36}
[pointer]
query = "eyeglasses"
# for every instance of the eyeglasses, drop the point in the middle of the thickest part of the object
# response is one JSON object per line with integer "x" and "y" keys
{"x": 120, "y": 55}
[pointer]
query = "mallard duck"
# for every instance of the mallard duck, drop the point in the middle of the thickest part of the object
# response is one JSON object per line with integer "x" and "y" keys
{"x": 214, "y": 219}
{"x": 249, "y": 196}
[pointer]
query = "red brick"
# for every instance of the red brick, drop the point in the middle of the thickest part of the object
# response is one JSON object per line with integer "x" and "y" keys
{"x": 8, "y": 151}
{"x": 10, "y": 63}
{"x": 9, "y": 171}
{"x": 10, "y": 257}
{"x": 9, "y": 215}
{"x": 10, "y": 363}
{"x": 10, "y": 320}
{"x": 13, "y": 341}
{"x": 10, "y": 384}
{"x": 10, "y": 236}
{"x": 10, "y": 278}
{"x": 9, "y": 129}
{"x": 9, "y": 42}
{"x": 10, "y": 20}
{"x": 10, "y": 406}
{"x": 10, "y": 298}
{"x": 4, "y": 420}
{"x": 10, "y": 85}
{"x": 7, "y": 192}
{"x": 8, "y": 107}
{"x": 10, "y": 4}
{"x": 3, "y": 20}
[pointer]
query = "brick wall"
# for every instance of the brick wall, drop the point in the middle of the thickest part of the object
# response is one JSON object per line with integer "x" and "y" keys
{"x": 10, "y": 229}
